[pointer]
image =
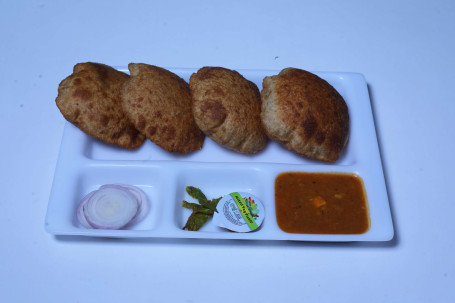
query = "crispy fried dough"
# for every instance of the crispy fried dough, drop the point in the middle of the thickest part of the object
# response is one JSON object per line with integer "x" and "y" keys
{"x": 227, "y": 108}
{"x": 90, "y": 99}
{"x": 158, "y": 102}
{"x": 305, "y": 113}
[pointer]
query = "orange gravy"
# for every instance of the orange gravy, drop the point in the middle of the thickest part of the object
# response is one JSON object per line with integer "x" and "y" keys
{"x": 321, "y": 203}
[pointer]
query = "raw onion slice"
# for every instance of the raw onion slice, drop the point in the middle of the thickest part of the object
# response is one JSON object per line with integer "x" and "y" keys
{"x": 112, "y": 206}
{"x": 80, "y": 211}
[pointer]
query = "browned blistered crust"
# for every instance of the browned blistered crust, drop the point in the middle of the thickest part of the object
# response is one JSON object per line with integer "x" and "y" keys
{"x": 305, "y": 114}
{"x": 158, "y": 102}
{"x": 90, "y": 98}
{"x": 227, "y": 108}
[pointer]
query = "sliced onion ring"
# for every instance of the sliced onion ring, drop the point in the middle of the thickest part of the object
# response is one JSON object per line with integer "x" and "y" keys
{"x": 80, "y": 211}
{"x": 112, "y": 206}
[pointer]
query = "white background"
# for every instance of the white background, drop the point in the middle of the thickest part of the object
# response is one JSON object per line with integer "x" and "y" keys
{"x": 406, "y": 51}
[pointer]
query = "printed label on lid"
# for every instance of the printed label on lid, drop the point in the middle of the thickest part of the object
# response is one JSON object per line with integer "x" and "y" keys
{"x": 240, "y": 212}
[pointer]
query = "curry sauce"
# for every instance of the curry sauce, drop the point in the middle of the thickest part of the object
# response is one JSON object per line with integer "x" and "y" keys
{"x": 321, "y": 203}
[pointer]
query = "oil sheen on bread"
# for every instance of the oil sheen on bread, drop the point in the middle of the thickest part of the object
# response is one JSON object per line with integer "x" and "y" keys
{"x": 305, "y": 114}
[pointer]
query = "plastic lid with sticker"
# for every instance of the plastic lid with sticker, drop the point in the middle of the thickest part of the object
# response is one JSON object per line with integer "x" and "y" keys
{"x": 239, "y": 212}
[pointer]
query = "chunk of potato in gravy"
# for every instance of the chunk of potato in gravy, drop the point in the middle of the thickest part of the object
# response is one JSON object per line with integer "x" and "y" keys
{"x": 321, "y": 203}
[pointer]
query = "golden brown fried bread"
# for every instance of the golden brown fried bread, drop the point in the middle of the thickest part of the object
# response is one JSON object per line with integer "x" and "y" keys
{"x": 305, "y": 113}
{"x": 90, "y": 98}
{"x": 227, "y": 109}
{"x": 158, "y": 102}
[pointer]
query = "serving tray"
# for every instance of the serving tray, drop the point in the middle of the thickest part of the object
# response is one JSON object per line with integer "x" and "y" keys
{"x": 85, "y": 163}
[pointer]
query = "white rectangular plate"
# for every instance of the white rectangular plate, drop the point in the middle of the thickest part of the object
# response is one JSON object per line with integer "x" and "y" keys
{"x": 85, "y": 164}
